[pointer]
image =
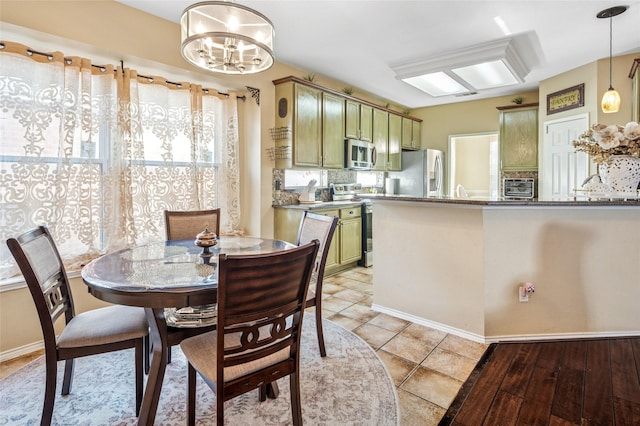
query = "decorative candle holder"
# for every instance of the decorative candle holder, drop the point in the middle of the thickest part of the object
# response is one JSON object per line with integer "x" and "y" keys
{"x": 206, "y": 239}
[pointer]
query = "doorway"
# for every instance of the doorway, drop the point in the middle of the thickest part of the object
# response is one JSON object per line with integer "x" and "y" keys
{"x": 474, "y": 165}
{"x": 562, "y": 169}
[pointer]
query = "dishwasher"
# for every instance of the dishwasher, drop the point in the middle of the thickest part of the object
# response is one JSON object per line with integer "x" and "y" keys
{"x": 367, "y": 234}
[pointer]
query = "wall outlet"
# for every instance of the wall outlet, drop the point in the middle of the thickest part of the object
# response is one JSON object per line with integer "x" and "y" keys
{"x": 523, "y": 296}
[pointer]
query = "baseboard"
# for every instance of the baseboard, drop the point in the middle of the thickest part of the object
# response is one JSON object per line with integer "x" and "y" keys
{"x": 561, "y": 336}
{"x": 21, "y": 351}
{"x": 504, "y": 338}
{"x": 427, "y": 323}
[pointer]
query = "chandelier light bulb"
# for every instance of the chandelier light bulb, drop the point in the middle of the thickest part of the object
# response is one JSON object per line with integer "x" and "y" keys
{"x": 233, "y": 24}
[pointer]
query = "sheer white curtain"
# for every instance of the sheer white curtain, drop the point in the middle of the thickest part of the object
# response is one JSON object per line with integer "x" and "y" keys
{"x": 97, "y": 154}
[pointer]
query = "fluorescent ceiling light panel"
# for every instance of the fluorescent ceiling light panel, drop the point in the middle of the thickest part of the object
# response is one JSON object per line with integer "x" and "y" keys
{"x": 487, "y": 75}
{"x": 436, "y": 84}
{"x": 479, "y": 67}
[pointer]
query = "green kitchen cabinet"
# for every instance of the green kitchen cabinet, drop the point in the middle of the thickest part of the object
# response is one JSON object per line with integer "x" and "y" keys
{"x": 307, "y": 131}
{"x": 333, "y": 123}
{"x": 380, "y": 138}
{"x": 346, "y": 247}
{"x": 394, "y": 156}
{"x": 519, "y": 137}
{"x": 358, "y": 121}
{"x": 298, "y": 125}
{"x": 410, "y": 134}
{"x": 350, "y": 235}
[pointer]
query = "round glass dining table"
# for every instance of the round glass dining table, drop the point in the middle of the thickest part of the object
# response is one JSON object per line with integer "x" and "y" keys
{"x": 168, "y": 274}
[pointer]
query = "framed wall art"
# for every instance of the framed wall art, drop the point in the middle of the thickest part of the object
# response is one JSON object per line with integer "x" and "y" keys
{"x": 565, "y": 99}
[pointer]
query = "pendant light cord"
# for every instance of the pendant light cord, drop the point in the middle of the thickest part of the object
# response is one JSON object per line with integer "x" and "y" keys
{"x": 610, "y": 50}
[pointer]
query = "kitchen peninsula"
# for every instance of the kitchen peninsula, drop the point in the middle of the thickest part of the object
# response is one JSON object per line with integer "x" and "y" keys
{"x": 457, "y": 265}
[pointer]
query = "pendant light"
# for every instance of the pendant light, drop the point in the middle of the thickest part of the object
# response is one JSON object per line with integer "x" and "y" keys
{"x": 611, "y": 98}
{"x": 226, "y": 37}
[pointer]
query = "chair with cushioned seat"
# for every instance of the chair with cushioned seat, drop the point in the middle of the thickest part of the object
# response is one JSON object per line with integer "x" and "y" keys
{"x": 315, "y": 226}
{"x": 93, "y": 332}
{"x": 261, "y": 302}
{"x": 183, "y": 225}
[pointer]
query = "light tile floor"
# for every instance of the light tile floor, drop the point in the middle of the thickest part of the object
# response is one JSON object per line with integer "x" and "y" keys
{"x": 428, "y": 366}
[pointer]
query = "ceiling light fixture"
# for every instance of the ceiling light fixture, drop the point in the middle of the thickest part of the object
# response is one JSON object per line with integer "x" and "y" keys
{"x": 480, "y": 67}
{"x": 611, "y": 98}
{"x": 226, "y": 37}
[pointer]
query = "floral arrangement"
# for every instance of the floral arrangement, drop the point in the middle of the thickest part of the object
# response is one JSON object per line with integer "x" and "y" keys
{"x": 601, "y": 142}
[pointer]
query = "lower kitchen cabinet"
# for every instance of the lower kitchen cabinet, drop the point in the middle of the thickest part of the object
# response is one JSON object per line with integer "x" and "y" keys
{"x": 346, "y": 247}
{"x": 350, "y": 235}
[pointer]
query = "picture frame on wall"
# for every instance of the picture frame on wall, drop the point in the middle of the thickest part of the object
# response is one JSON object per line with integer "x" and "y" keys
{"x": 565, "y": 99}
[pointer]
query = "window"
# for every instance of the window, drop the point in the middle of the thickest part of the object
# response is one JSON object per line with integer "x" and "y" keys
{"x": 295, "y": 179}
{"x": 97, "y": 153}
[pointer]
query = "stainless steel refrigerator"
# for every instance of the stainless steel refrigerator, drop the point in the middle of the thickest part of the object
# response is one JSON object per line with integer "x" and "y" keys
{"x": 422, "y": 173}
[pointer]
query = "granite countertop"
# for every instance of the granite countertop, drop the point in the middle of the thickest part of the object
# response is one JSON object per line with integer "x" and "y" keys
{"x": 581, "y": 201}
{"x": 322, "y": 205}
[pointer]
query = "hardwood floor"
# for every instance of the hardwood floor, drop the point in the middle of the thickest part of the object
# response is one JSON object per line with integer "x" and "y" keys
{"x": 578, "y": 382}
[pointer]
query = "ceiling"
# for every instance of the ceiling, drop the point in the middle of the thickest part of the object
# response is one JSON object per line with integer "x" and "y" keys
{"x": 357, "y": 42}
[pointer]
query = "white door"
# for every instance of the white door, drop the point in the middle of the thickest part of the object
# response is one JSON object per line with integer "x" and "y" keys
{"x": 562, "y": 169}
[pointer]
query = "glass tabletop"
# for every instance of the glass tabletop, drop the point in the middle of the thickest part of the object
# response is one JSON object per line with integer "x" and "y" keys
{"x": 170, "y": 266}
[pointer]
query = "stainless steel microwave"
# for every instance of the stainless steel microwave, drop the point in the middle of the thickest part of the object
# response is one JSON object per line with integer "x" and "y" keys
{"x": 359, "y": 155}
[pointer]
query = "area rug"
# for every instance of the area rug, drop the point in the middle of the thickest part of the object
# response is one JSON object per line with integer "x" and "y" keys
{"x": 350, "y": 386}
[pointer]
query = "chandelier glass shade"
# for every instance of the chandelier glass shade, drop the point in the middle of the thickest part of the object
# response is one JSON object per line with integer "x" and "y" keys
{"x": 226, "y": 37}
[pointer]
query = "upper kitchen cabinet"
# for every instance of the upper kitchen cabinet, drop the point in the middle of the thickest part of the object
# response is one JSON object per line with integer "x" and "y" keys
{"x": 394, "y": 150}
{"x": 380, "y": 138}
{"x": 312, "y": 123}
{"x": 299, "y": 112}
{"x": 410, "y": 134}
{"x": 358, "y": 123}
{"x": 333, "y": 121}
{"x": 519, "y": 137}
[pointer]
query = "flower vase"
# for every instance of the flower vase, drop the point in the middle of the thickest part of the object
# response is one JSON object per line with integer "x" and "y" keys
{"x": 621, "y": 173}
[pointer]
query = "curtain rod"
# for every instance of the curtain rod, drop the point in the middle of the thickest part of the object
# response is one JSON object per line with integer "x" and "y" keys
{"x": 102, "y": 68}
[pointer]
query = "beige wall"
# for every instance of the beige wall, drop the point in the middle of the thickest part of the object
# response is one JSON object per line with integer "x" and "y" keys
{"x": 458, "y": 268}
{"x": 479, "y": 116}
{"x": 472, "y": 164}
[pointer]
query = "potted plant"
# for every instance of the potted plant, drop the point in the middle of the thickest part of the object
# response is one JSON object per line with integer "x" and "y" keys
{"x": 616, "y": 150}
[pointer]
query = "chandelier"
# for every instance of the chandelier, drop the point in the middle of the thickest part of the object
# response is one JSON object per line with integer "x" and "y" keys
{"x": 226, "y": 37}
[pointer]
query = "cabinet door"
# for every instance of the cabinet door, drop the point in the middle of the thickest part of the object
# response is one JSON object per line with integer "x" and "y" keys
{"x": 417, "y": 138}
{"x": 519, "y": 139}
{"x": 350, "y": 240}
{"x": 407, "y": 133}
{"x": 308, "y": 127}
{"x": 410, "y": 134}
{"x": 394, "y": 161}
{"x": 333, "y": 120}
{"x": 332, "y": 256}
{"x": 366, "y": 123}
{"x": 380, "y": 137}
{"x": 352, "y": 120}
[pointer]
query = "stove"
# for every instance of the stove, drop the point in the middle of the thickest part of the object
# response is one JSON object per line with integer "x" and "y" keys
{"x": 344, "y": 191}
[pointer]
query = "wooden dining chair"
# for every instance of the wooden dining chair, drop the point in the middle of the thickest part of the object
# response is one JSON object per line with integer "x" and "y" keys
{"x": 261, "y": 301}
{"x": 182, "y": 225}
{"x": 93, "y": 332}
{"x": 315, "y": 226}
